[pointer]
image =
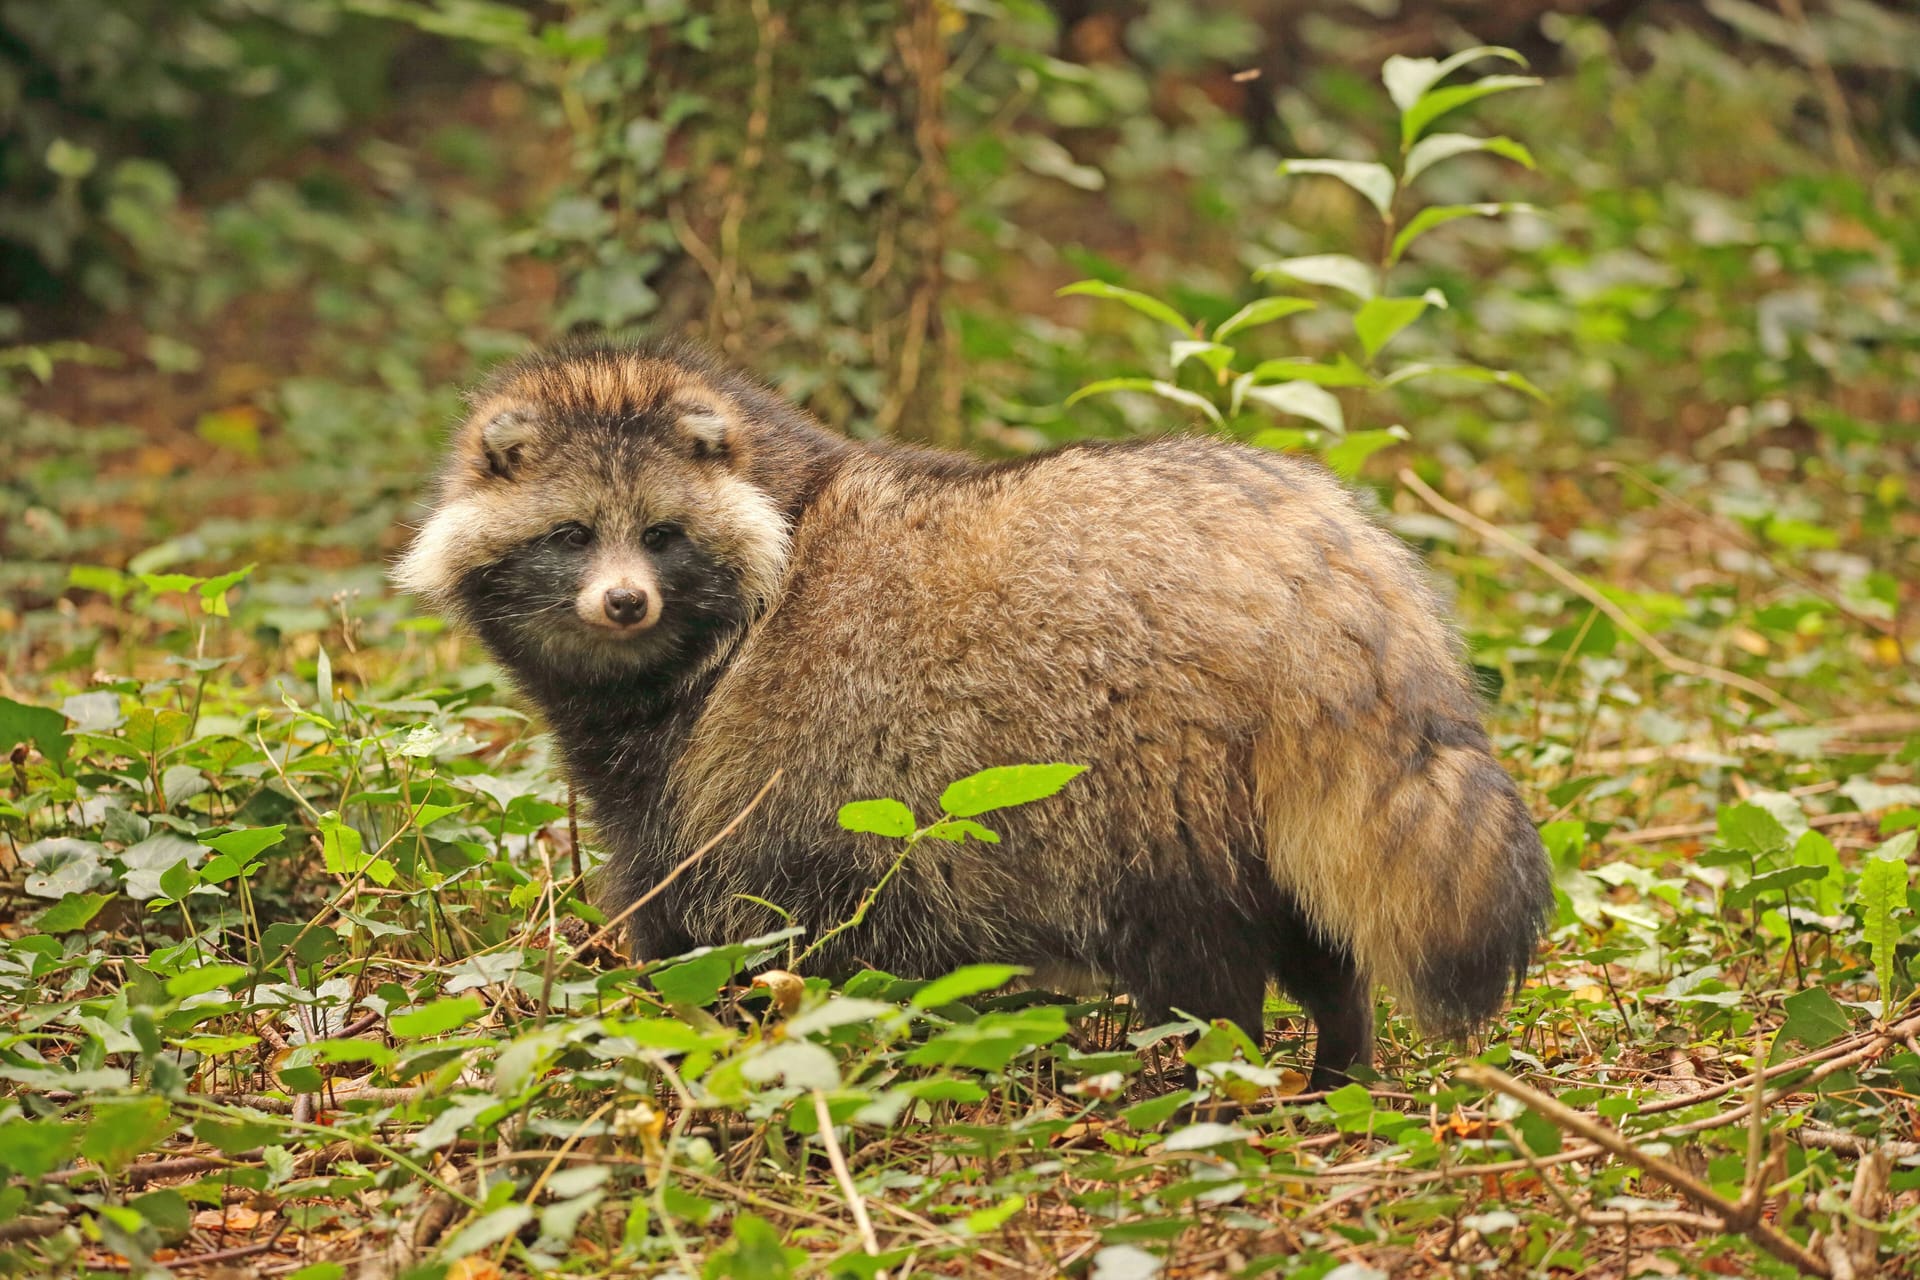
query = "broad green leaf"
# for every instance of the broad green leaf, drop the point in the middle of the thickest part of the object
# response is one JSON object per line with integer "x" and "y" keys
{"x": 1379, "y": 319}
{"x": 984, "y": 1221}
{"x": 213, "y": 592}
{"x": 153, "y": 732}
{"x": 485, "y": 1231}
{"x": 236, "y": 1136}
{"x": 1409, "y": 79}
{"x": 1145, "y": 304}
{"x": 1417, "y": 118}
{"x": 1216, "y": 356}
{"x": 247, "y": 843}
{"x": 98, "y": 577}
{"x": 340, "y": 850}
{"x": 204, "y": 978}
{"x": 162, "y": 584}
{"x": 1464, "y": 372}
{"x": 1768, "y": 882}
{"x": 1261, "y": 311}
{"x": 960, "y": 830}
{"x": 44, "y": 727}
{"x": 1303, "y": 400}
{"x": 1005, "y": 786}
{"x": 1346, "y": 455}
{"x": 1340, "y": 372}
{"x": 74, "y": 911}
{"x": 1814, "y": 1018}
{"x": 964, "y": 982}
{"x": 37, "y": 1149}
{"x": 1439, "y": 215}
{"x": 1750, "y": 829}
{"x": 123, "y": 1129}
{"x": 1435, "y": 147}
{"x": 878, "y": 817}
{"x": 1334, "y": 269}
{"x": 1152, "y": 386}
{"x": 1374, "y": 181}
{"x": 437, "y": 1018}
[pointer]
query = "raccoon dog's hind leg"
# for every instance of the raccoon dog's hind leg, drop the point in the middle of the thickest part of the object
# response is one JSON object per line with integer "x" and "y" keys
{"x": 1323, "y": 977}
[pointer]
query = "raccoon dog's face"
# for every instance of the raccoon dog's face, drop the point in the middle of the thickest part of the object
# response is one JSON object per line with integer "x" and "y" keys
{"x": 596, "y": 520}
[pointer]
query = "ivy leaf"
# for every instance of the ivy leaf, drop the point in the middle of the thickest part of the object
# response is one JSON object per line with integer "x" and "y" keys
{"x": 1374, "y": 181}
{"x": 1379, "y": 319}
{"x": 1006, "y": 786}
{"x": 1435, "y": 147}
{"x": 1337, "y": 270}
{"x": 1261, "y": 311}
{"x": 1409, "y": 79}
{"x": 1145, "y": 304}
{"x": 878, "y": 817}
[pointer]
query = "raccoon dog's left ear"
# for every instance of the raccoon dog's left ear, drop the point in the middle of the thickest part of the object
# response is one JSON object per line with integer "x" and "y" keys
{"x": 504, "y": 441}
{"x": 705, "y": 426}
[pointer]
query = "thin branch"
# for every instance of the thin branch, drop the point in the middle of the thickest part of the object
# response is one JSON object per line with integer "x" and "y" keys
{"x": 1566, "y": 1118}
{"x": 844, "y": 1176}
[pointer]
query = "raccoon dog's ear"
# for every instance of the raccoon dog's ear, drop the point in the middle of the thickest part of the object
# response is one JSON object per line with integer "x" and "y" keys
{"x": 706, "y": 427}
{"x": 504, "y": 441}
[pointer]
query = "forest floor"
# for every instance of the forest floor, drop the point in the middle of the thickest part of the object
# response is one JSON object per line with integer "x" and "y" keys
{"x": 301, "y": 976}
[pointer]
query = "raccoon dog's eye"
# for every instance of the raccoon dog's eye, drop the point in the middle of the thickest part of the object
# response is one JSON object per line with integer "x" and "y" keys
{"x": 659, "y": 536}
{"x": 574, "y": 534}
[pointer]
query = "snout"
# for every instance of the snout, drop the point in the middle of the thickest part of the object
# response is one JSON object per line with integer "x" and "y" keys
{"x": 622, "y": 599}
{"x": 625, "y": 606}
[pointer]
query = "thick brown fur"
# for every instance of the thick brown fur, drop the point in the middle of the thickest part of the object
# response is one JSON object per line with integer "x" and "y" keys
{"x": 1287, "y": 775}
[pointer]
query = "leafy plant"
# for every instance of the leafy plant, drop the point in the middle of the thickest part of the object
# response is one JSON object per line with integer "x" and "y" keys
{"x": 1304, "y": 388}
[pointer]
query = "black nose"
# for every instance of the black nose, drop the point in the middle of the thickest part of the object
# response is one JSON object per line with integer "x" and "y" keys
{"x": 625, "y": 606}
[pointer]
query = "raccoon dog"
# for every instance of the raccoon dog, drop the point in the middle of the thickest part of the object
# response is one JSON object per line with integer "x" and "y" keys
{"x": 1287, "y": 775}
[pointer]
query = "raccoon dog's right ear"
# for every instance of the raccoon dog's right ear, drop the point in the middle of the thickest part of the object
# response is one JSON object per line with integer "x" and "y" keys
{"x": 504, "y": 441}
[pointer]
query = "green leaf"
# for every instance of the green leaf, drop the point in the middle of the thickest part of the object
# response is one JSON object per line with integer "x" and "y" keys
{"x": 437, "y": 1018}
{"x": 1416, "y": 119}
{"x": 1006, "y": 786}
{"x": 1465, "y": 372}
{"x": 1261, "y": 311}
{"x": 878, "y": 817}
{"x": 1334, "y": 269}
{"x": 1216, "y": 356}
{"x": 44, "y": 727}
{"x": 213, "y": 592}
{"x": 968, "y": 981}
{"x": 1374, "y": 181}
{"x": 1771, "y": 882}
{"x": 1145, "y": 304}
{"x": 1286, "y": 440}
{"x": 1379, "y": 319}
{"x": 959, "y": 830}
{"x": 98, "y": 577}
{"x": 1340, "y": 372}
{"x": 178, "y": 880}
{"x": 1434, "y": 148}
{"x": 237, "y": 1136}
{"x": 486, "y": 1230}
{"x": 154, "y": 732}
{"x": 1303, "y": 400}
{"x": 1439, "y": 215}
{"x": 1409, "y": 79}
{"x": 123, "y": 1129}
{"x": 1346, "y": 456}
{"x": 1152, "y": 386}
{"x": 37, "y": 1149}
{"x": 73, "y": 912}
{"x": 983, "y": 1221}
{"x": 1750, "y": 829}
{"x": 1883, "y": 892}
{"x": 1814, "y": 1018}
{"x": 247, "y": 843}
{"x": 204, "y": 978}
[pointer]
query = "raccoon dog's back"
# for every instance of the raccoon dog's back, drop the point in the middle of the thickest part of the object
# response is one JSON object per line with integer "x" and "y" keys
{"x": 1287, "y": 776}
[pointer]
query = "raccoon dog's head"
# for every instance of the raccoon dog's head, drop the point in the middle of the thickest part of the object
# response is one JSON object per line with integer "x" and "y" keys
{"x": 610, "y": 511}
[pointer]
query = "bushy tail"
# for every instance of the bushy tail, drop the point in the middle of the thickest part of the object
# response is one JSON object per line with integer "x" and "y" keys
{"x": 1418, "y": 855}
